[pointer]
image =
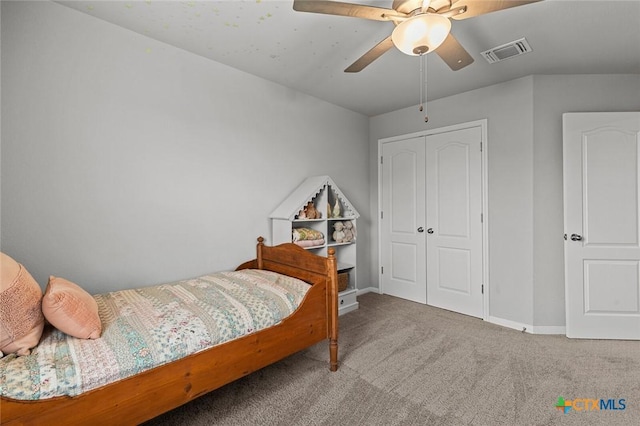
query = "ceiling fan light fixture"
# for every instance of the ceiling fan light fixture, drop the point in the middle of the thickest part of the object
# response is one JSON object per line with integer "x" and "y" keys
{"x": 421, "y": 33}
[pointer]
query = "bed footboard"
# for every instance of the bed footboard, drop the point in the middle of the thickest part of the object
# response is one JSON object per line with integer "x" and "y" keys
{"x": 292, "y": 260}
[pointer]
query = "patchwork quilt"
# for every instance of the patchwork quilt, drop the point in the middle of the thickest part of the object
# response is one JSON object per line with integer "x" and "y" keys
{"x": 150, "y": 326}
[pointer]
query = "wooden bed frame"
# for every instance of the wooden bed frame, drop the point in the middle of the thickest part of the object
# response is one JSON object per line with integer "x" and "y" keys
{"x": 151, "y": 393}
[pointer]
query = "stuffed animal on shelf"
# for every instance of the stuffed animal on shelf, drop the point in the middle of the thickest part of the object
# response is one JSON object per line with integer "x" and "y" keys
{"x": 311, "y": 212}
{"x": 338, "y": 233}
{"x": 349, "y": 231}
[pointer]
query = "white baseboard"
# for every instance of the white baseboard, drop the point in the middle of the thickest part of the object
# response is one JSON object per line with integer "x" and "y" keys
{"x": 362, "y": 291}
{"x": 510, "y": 324}
{"x": 528, "y": 328}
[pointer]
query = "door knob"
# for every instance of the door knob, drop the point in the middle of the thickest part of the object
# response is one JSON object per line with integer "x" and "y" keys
{"x": 576, "y": 237}
{"x": 421, "y": 229}
{"x": 430, "y": 231}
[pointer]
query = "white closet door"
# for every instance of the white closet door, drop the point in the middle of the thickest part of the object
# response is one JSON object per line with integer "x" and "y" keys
{"x": 454, "y": 226}
{"x": 602, "y": 210}
{"x": 402, "y": 242}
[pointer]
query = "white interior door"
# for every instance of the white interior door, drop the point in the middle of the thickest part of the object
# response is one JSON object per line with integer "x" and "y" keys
{"x": 454, "y": 221}
{"x": 402, "y": 242}
{"x": 602, "y": 248}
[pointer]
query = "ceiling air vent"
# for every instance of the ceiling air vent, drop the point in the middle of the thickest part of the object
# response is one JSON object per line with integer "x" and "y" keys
{"x": 506, "y": 51}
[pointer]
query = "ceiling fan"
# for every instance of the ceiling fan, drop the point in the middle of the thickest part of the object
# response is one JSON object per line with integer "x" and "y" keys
{"x": 421, "y": 26}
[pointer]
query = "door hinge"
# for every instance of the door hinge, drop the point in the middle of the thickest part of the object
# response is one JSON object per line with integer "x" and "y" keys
{"x": 482, "y": 288}
{"x": 381, "y": 215}
{"x": 381, "y": 160}
{"x": 382, "y": 269}
{"x": 480, "y": 146}
{"x": 481, "y": 217}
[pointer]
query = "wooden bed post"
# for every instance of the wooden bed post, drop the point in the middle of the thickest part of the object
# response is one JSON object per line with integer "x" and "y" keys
{"x": 333, "y": 309}
{"x": 259, "y": 252}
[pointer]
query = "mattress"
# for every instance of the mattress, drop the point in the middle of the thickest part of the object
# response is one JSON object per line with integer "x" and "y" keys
{"x": 147, "y": 327}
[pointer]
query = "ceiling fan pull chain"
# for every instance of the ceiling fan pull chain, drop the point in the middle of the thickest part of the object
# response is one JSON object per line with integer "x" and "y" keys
{"x": 424, "y": 66}
{"x": 421, "y": 79}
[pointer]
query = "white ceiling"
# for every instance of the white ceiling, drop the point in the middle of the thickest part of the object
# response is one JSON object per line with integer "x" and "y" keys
{"x": 308, "y": 52}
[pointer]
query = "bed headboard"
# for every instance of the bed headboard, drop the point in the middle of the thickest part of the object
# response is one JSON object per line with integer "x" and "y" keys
{"x": 292, "y": 260}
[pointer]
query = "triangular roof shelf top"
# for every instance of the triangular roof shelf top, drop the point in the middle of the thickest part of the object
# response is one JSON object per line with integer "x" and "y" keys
{"x": 306, "y": 192}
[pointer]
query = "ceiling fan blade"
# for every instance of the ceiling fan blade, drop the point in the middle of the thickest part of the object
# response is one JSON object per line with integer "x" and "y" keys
{"x": 480, "y": 7}
{"x": 451, "y": 12}
{"x": 345, "y": 9}
{"x": 371, "y": 55}
{"x": 452, "y": 52}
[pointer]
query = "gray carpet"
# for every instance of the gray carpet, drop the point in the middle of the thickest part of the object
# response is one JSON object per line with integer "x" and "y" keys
{"x": 403, "y": 363}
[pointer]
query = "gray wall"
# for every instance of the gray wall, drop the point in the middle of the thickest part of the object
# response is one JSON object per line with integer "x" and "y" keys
{"x": 125, "y": 161}
{"x": 553, "y": 96}
{"x": 508, "y": 109}
{"x": 526, "y": 266}
{"x": 128, "y": 162}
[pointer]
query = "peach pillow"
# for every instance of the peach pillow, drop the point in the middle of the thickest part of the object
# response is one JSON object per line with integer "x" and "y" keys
{"x": 21, "y": 320}
{"x": 71, "y": 309}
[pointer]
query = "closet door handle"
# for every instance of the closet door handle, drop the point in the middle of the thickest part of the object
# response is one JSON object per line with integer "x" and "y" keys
{"x": 421, "y": 229}
{"x": 430, "y": 231}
